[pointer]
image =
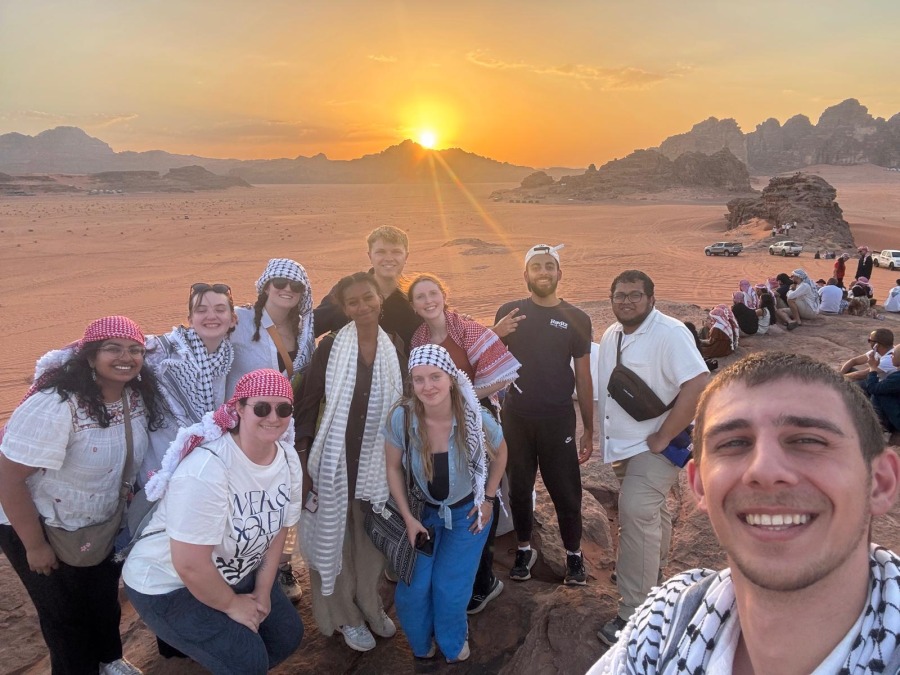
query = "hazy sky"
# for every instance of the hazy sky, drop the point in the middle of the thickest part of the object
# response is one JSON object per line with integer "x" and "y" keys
{"x": 535, "y": 83}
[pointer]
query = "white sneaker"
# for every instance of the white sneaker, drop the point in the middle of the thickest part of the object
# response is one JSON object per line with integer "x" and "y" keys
{"x": 464, "y": 653}
{"x": 120, "y": 667}
{"x": 386, "y": 628}
{"x": 358, "y": 637}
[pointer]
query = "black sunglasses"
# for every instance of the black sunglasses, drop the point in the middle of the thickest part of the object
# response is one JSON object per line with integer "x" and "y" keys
{"x": 263, "y": 408}
{"x": 215, "y": 288}
{"x": 280, "y": 283}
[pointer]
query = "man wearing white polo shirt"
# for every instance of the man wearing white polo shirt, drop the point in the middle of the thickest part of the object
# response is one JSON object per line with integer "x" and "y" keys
{"x": 661, "y": 351}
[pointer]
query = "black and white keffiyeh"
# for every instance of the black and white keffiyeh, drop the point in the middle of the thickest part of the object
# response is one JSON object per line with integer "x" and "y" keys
{"x": 195, "y": 370}
{"x": 650, "y": 645}
{"x": 476, "y": 453}
{"x": 285, "y": 268}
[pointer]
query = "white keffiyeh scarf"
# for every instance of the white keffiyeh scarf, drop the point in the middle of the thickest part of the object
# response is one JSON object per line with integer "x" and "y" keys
{"x": 647, "y": 645}
{"x": 476, "y": 453}
{"x": 322, "y": 533}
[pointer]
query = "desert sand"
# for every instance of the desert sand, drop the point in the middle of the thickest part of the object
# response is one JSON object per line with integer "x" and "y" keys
{"x": 69, "y": 259}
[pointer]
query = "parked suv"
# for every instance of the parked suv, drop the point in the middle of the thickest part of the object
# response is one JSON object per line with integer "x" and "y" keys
{"x": 724, "y": 248}
{"x": 889, "y": 258}
{"x": 784, "y": 248}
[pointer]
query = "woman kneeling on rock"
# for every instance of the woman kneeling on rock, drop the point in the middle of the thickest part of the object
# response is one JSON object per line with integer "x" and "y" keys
{"x": 448, "y": 458}
{"x": 202, "y": 576}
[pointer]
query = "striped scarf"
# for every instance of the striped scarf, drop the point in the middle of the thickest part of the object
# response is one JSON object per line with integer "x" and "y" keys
{"x": 322, "y": 533}
{"x": 647, "y": 645}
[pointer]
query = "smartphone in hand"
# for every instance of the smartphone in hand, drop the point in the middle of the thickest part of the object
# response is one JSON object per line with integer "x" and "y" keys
{"x": 425, "y": 542}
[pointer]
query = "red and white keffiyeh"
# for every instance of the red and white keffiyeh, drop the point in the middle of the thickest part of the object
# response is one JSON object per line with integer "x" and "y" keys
{"x": 255, "y": 384}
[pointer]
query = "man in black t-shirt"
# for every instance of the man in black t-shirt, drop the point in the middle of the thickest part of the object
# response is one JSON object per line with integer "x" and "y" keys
{"x": 538, "y": 414}
{"x": 388, "y": 252}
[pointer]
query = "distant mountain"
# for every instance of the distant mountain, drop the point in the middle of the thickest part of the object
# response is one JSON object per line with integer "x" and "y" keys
{"x": 845, "y": 134}
{"x": 71, "y": 150}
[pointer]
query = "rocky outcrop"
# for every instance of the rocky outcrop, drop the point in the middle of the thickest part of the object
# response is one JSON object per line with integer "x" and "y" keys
{"x": 707, "y": 137}
{"x": 184, "y": 179}
{"x": 845, "y": 134}
{"x": 805, "y": 199}
{"x": 643, "y": 171}
{"x": 719, "y": 170}
{"x": 538, "y": 179}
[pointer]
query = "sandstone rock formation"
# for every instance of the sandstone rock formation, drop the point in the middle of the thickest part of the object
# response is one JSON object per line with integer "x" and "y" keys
{"x": 806, "y": 199}
{"x": 538, "y": 179}
{"x": 708, "y": 137}
{"x": 845, "y": 134}
{"x": 643, "y": 171}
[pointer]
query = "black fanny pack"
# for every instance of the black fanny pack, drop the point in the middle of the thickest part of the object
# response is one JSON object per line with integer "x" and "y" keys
{"x": 632, "y": 393}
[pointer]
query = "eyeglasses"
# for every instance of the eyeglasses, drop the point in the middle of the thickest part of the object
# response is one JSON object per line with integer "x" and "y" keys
{"x": 280, "y": 283}
{"x": 634, "y": 296}
{"x": 263, "y": 408}
{"x": 215, "y": 288}
{"x": 873, "y": 342}
{"x": 118, "y": 350}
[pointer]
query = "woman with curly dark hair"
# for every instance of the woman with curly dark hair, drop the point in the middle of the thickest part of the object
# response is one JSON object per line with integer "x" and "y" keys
{"x": 65, "y": 459}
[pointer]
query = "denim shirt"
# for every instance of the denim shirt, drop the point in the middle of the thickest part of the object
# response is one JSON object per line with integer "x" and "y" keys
{"x": 459, "y": 476}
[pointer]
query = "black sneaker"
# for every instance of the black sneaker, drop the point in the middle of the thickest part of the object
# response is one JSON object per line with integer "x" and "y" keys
{"x": 525, "y": 560}
{"x": 479, "y": 602}
{"x": 290, "y": 584}
{"x": 610, "y": 632}
{"x": 575, "y": 573}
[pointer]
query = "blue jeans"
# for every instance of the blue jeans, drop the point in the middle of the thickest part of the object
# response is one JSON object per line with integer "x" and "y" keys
{"x": 215, "y": 641}
{"x": 433, "y": 605}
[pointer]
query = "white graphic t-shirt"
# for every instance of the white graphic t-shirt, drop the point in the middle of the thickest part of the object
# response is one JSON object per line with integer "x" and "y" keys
{"x": 218, "y": 497}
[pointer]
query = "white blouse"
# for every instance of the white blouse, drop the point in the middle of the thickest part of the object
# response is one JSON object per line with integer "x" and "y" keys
{"x": 80, "y": 463}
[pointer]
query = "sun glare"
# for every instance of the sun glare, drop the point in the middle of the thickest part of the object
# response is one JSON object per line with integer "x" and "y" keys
{"x": 428, "y": 139}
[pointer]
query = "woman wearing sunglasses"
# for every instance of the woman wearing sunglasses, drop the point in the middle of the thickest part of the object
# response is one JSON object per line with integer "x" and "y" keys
{"x": 277, "y": 333}
{"x": 202, "y": 577}
{"x": 67, "y": 452}
{"x": 457, "y": 457}
{"x": 358, "y": 373}
{"x": 191, "y": 364}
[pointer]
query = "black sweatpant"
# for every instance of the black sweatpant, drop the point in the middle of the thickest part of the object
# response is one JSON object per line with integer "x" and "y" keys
{"x": 547, "y": 443}
{"x": 78, "y": 609}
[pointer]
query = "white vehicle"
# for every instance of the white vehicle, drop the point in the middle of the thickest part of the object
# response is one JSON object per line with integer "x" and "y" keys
{"x": 785, "y": 248}
{"x": 889, "y": 258}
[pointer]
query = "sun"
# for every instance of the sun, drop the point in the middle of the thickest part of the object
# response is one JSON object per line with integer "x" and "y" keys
{"x": 428, "y": 139}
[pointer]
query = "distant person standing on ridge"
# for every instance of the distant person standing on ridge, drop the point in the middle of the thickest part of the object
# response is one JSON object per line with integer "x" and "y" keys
{"x": 864, "y": 266}
{"x": 538, "y": 415}
{"x": 634, "y": 447}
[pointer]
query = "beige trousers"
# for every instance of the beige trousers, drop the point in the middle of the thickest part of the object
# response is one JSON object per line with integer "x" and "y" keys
{"x": 355, "y": 599}
{"x": 645, "y": 526}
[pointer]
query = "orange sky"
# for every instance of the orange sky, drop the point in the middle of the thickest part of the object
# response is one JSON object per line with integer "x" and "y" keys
{"x": 532, "y": 83}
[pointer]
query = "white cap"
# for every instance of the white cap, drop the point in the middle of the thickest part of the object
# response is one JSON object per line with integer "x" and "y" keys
{"x": 541, "y": 249}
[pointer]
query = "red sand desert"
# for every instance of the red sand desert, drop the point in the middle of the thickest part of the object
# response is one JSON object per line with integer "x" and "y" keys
{"x": 69, "y": 259}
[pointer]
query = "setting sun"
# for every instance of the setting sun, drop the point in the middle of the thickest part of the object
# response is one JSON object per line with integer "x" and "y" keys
{"x": 428, "y": 139}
